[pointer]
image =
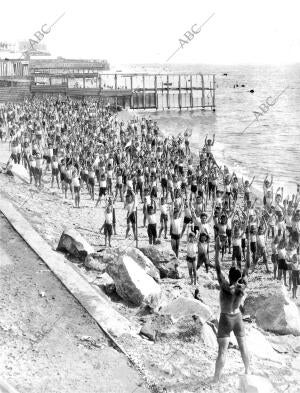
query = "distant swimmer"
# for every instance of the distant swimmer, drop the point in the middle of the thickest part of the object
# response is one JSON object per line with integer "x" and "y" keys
{"x": 225, "y": 74}
{"x": 242, "y": 85}
{"x": 251, "y": 91}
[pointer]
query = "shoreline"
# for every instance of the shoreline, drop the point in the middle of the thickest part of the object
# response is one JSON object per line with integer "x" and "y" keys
{"x": 49, "y": 213}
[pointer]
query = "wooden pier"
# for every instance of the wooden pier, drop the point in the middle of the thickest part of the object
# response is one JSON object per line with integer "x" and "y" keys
{"x": 135, "y": 91}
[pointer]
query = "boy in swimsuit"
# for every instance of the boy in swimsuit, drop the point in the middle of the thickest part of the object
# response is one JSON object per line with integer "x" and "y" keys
{"x": 152, "y": 231}
{"x": 108, "y": 224}
{"x": 164, "y": 208}
{"x": 203, "y": 256}
{"x": 247, "y": 186}
{"x": 175, "y": 229}
{"x": 231, "y": 298}
{"x": 130, "y": 206}
{"x": 191, "y": 257}
{"x": 76, "y": 187}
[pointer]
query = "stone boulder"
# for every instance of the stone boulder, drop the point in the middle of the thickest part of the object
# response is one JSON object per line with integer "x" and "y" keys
{"x": 132, "y": 282}
{"x": 19, "y": 171}
{"x": 72, "y": 242}
{"x": 112, "y": 254}
{"x": 93, "y": 262}
{"x": 106, "y": 283}
{"x": 5, "y": 387}
{"x": 273, "y": 309}
{"x": 255, "y": 384}
{"x": 143, "y": 261}
{"x": 186, "y": 329}
{"x": 184, "y": 307}
{"x": 164, "y": 259}
{"x": 259, "y": 346}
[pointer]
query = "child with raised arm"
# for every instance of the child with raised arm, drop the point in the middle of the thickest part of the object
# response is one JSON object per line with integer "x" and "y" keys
{"x": 274, "y": 255}
{"x": 203, "y": 251}
{"x": 268, "y": 189}
{"x": 261, "y": 246}
{"x": 295, "y": 266}
{"x": 231, "y": 297}
{"x": 164, "y": 209}
{"x": 152, "y": 222}
{"x": 130, "y": 206}
{"x": 237, "y": 234}
{"x": 108, "y": 224}
{"x": 282, "y": 265}
{"x": 175, "y": 228}
{"x": 247, "y": 187}
{"x": 191, "y": 257}
{"x": 187, "y": 216}
{"x": 75, "y": 184}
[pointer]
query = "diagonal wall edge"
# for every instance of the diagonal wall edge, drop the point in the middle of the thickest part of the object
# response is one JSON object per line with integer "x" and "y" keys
{"x": 113, "y": 323}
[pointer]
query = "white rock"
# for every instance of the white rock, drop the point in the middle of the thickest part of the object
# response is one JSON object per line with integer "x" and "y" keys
{"x": 255, "y": 384}
{"x": 19, "y": 171}
{"x": 273, "y": 309}
{"x": 143, "y": 261}
{"x": 132, "y": 282}
{"x": 74, "y": 243}
{"x": 259, "y": 346}
{"x": 183, "y": 306}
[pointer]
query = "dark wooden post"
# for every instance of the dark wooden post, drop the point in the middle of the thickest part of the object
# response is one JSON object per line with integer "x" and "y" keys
{"x": 192, "y": 101}
{"x": 156, "y": 95}
{"x": 179, "y": 92}
{"x": 214, "y": 91}
{"x": 168, "y": 94}
{"x": 203, "y": 92}
{"x": 131, "y": 88}
{"x": 144, "y": 95}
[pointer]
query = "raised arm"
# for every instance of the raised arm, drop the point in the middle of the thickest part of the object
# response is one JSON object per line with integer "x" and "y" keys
{"x": 217, "y": 261}
{"x": 248, "y": 257}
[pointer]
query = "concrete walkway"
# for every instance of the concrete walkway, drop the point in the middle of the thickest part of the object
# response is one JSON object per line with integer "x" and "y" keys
{"x": 97, "y": 305}
{"x": 48, "y": 342}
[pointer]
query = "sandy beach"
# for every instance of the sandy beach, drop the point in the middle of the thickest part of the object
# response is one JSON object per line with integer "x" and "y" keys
{"x": 178, "y": 366}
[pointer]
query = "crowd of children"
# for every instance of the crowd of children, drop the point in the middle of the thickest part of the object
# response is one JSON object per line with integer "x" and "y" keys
{"x": 86, "y": 148}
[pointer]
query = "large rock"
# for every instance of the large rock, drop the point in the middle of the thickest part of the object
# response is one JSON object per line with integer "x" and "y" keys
{"x": 164, "y": 259}
{"x": 184, "y": 307}
{"x": 273, "y": 309}
{"x": 255, "y": 384}
{"x": 19, "y": 171}
{"x": 186, "y": 329}
{"x": 106, "y": 283}
{"x": 260, "y": 347}
{"x": 5, "y": 387}
{"x": 72, "y": 242}
{"x": 143, "y": 261}
{"x": 132, "y": 282}
{"x": 92, "y": 261}
{"x": 111, "y": 254}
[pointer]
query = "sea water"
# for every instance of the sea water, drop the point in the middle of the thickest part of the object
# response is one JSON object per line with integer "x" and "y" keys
{"x": 270, "y": 145}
